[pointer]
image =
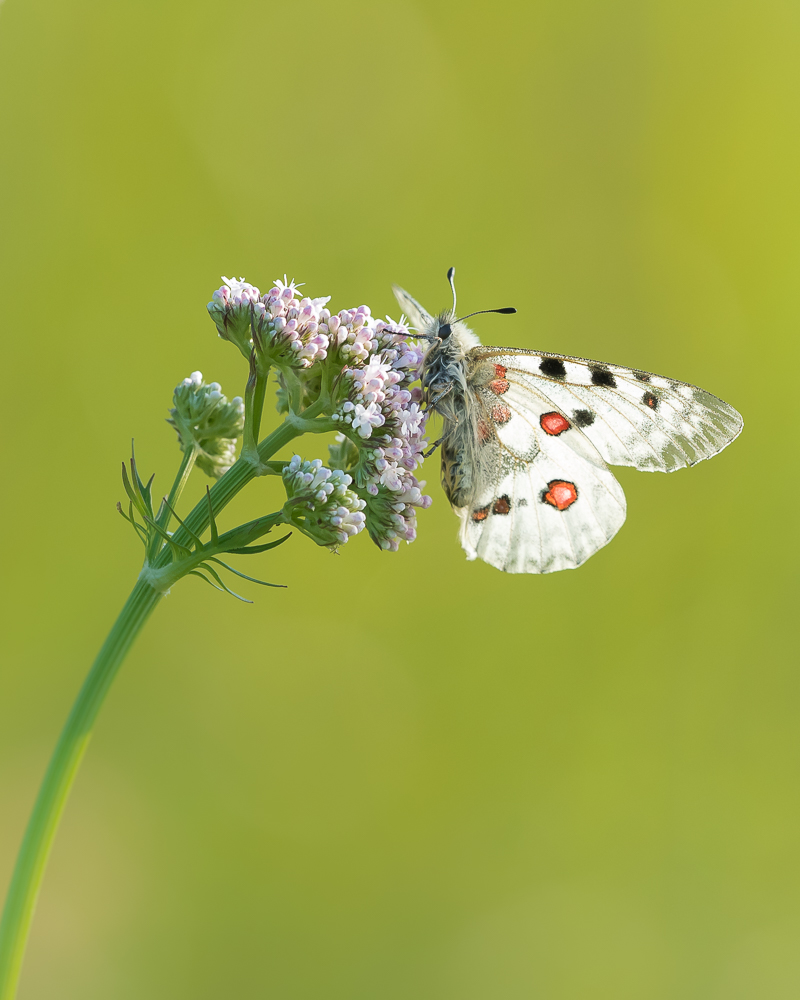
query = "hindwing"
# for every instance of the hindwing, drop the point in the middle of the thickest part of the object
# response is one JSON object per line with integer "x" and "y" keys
{"x": 543, "y": 499}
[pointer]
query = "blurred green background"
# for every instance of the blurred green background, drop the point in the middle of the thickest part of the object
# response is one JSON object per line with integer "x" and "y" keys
{"x": 406, "y": 775}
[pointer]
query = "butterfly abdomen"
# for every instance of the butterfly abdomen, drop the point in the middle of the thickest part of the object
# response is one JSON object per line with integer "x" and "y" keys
{"x": 456, "y": 475}
{"x": 464, "y": 455}
{"x": 457, "y": 465}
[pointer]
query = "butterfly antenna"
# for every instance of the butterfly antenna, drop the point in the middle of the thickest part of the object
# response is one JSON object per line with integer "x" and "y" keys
{"x": 506, "y": 311}
{"x": 451, "y": 277}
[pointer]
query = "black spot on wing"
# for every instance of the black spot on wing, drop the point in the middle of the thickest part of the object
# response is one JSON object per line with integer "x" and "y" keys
{"x": 583, "y": 418}
{"x": 552, "y": 368}
{"x": 641, "y": 376}
{"x": 602, "y": 376}
{"x": 650, "y": 400}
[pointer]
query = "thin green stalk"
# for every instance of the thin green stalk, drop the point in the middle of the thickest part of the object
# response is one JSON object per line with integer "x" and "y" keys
{"x": 256, "y": 386}
{"x": 58, "y": 780}
{"x": 181, "y": 478}
{"x": 258, "y": 401}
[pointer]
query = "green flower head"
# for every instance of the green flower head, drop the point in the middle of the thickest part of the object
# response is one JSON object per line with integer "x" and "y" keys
{"x": 207, "y": 422}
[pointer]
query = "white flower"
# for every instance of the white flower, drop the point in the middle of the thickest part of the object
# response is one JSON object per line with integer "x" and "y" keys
{"x": 367, "y": 417}
{"x": 411, "y": 420}
{"x": 240, "y": 291}
{"x": 288, "y": 286}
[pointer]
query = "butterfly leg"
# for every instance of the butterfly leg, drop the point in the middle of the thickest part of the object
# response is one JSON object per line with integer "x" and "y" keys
{"x": 440, "y": 395}
{"x": 433, "y": 448}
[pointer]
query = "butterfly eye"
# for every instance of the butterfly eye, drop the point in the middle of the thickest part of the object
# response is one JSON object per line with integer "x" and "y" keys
{"x": 444, "y": 330}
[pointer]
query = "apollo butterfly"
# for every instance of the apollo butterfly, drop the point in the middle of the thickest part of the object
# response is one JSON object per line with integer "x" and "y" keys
{"x": 528, "y": 438}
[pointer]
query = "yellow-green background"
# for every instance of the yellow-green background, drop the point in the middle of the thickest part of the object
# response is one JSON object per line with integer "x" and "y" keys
{"x": 406, "y": 775}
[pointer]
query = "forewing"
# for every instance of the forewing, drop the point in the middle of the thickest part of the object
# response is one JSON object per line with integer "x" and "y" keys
{"x": 419, "y": 318}
{"x": 632, "y": 417}
{"x": 544, "y": 502}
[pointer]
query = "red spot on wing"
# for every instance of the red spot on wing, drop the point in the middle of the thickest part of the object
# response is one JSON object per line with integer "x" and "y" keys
{"x": 484, "y": 431}
{"x": 499, "y": 383}
{"x": 553, "y": 423}
{"x": 502, "y": 505}
{"x": 560, "y": 494}
{"x": 481, "y": 514}
{"x": 501, "y": 414}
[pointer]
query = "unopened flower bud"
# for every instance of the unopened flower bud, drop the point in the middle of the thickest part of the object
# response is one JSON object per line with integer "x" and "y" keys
{"x": 207, "y": 422}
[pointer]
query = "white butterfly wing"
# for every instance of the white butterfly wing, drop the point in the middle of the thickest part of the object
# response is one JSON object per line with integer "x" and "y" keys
{"x": 632, "y": 417}
{"x": 544, "y": 502}
{"x": 419, "y": 318}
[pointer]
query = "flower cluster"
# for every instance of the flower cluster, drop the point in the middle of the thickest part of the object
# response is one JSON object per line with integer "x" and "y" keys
{"x": 286, "y": 331}
{"x": 291, "y": 331}
{"x": 231, "y": 309}
{"x": 207, "y": 422}
{"x": 381, "y": 415}
{"x": 320, "y": 504}
{"x": 372, "y": 366}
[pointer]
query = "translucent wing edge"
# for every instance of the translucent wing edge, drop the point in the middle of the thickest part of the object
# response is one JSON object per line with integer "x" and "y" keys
{"x": 419, "y": 317}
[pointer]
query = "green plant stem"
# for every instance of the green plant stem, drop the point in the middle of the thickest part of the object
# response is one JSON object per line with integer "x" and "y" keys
{"x": 253, "y": 407}
{"x": 43, "y": 824}
{"x": 182, "y": 476}
{"x": 58, "y": 780}
{"x": 181, "y": 479}
{"x": 258, "y": 401}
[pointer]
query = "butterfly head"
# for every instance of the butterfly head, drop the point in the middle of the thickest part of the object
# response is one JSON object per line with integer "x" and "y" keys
{"x": 447, "y": 332}
{"x": 451, "y": 336}
{"x": 445, "y": 327}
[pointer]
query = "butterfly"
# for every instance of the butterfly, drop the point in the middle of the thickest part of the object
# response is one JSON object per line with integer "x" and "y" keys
{"x": 528, "y": 437}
